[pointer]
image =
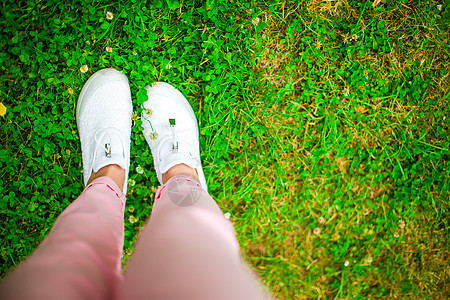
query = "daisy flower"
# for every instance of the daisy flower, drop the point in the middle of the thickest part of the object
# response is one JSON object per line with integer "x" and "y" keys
{"x": 139, "y": 169}
{"x": 84, "y": 69}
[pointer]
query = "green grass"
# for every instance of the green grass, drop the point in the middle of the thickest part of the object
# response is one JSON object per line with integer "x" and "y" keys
{"x": 324, "y": 130}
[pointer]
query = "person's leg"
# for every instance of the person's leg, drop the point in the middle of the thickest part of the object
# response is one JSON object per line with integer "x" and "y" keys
{"x": 81, "y": 256}
{"x": 188, "y": 250}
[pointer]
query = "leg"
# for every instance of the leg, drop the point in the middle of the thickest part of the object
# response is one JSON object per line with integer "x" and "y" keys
{"x": 81, "y": 256}
{"x": 188, "y": 250}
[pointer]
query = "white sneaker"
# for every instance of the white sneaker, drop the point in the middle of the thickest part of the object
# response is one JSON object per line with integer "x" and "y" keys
{"x": 171, "y": 130}
{"x": 104, "y": 111}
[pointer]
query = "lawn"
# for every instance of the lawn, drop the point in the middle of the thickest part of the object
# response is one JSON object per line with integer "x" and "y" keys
{"x": 324, "y": 129}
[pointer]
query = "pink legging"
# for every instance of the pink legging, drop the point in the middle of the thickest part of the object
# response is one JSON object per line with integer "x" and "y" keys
{"x": 187, "y": 250}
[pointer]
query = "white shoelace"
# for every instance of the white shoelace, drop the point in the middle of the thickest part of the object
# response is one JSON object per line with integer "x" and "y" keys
{"x": 173, "y": 124}
{"x": 107, "y": 146}
{"x": 175, "y": 142}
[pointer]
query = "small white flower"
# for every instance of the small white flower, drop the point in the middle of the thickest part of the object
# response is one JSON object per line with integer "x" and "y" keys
{"x": 346, "y": 91}
{"x": 396, "y": 234}
{"x": 84, "y": 69}
{"x": 109, "y": 15}
{"x": 439, "y": 6}
{"x": 321, "y": 220}
{"x": 368, "y": 260}
{"x": 346, "y": 38}
{"x": 132, "y": 219}
{"x": 346, "y": 263}
{"x": 316, "y": 230}
{"x": 134, "y": 52}
{"x": 401, "y": 224}
{"x": 153, "y": 135}
{"x": 366, "y": 211}
{"x": 147, "y": 113}
{"x": 139, "y": 169}
{"x": 255, "y": 21}
{"x": 318, "y": 44}
{"x": 131, "y": 182}
{"x": 354, "y": 37}
{"x": 108, "y": 49}
{"x": 227, "y": 215}
{"x": 168, "y": 66}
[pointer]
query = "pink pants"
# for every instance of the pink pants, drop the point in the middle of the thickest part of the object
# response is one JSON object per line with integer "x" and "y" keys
{"x": 187, "y": 250}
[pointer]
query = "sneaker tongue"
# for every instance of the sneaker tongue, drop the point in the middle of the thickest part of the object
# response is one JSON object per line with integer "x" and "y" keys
{"x": 171, "y": 158}
{"x": 117, "y": 155}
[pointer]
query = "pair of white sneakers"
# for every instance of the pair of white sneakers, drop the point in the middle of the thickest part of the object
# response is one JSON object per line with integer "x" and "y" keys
{"x": 104, "y": 112}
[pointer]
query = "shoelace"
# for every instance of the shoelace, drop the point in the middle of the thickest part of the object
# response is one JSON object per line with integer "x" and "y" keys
{"x": 107, "y": 146}
{"x": 174, "y": 140}
{"x": 173, "y": 124}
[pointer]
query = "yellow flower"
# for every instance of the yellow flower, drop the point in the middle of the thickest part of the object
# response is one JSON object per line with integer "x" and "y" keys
{"x": 2, "y": 109}
{"x": 70, "y": 91}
